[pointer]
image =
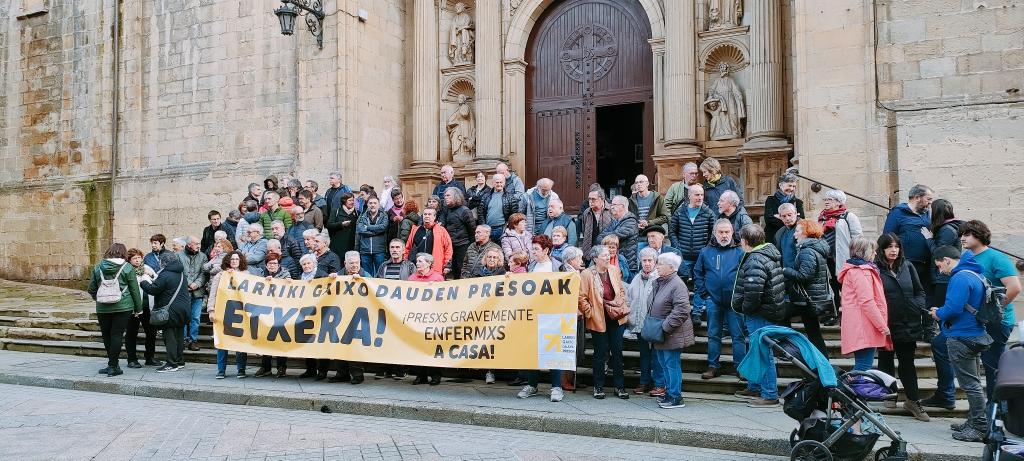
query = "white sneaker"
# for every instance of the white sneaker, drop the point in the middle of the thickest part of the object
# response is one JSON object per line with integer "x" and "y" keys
{"x": 556, "y": 394}
{"x": 489, "y": 377}
{"x": 527, "y": 392}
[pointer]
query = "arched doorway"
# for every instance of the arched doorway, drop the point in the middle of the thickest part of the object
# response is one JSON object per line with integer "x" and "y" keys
{"x": 589, "y": 97}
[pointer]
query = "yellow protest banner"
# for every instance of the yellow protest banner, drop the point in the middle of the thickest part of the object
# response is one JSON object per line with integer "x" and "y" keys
{"x": 516, "y": 321}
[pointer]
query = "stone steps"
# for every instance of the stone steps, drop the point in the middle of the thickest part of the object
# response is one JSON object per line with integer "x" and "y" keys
{"x": 725, "y": 385}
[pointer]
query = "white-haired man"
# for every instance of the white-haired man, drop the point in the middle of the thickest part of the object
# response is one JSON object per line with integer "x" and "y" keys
{"x": 558, "y": 218}
{"x": 729, "y": 207}
{"x": 448, "y": 180}
{"x": 534, "y": 204}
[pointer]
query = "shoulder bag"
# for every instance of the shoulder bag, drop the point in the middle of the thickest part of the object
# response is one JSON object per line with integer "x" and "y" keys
{"x": 160, "y": 315}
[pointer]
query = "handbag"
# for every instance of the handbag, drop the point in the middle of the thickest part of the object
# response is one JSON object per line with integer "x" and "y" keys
{"x": 160, "y": 315}
{"x": 652, "y": 331}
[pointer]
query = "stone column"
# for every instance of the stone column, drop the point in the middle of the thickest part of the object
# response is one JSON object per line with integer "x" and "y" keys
{"x": 764, "y": 118}
{"x": 680, "y": 74}
{"x": 425, "y": 119}
{"x": 658, "y": 48}
{"x": 417, "y": 180}
{"x": 515, "y": 115}
{"x": 488, "y": 81}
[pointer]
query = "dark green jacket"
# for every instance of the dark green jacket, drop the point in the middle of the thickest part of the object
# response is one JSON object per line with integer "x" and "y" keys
{"x": 131, "y": 298}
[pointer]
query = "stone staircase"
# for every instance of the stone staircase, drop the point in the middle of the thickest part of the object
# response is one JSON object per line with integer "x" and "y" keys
{"x": 30, "y": 323}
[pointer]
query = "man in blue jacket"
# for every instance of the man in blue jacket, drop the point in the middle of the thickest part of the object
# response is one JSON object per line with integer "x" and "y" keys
{"x": 906, "y": 221}
{"x": 965, "y": 336}
{"x": 714, "y": 274}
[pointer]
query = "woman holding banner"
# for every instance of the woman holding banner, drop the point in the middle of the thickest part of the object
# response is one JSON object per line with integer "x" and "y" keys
{"x": 572, "y": 261}
{"x": 603, "y": 304}
{"x": 540, "y": 249}
{"x": 233, "y": 262}
{"x": 425, "y": 273}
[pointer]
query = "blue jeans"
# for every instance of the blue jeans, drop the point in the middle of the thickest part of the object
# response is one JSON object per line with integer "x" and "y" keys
{"x": 370, "y": 262}
{"x": 864, "y": 359}
{"x": 222, "y": 360}
{"x": 669, "y": 360}
{"x": 686, "y": 269}
{"x": 769, "y": 386}
{"x": 945, "y": 388}
{"x": 990, "y": 358}
{"x": 192, "y": 329}
{"x": 717, "y": 316}
{"x": 610, "y": 339}
{"x": 533, "y": 378}
{"x": 650, "y": 366}
{"x": 697, "y": 307}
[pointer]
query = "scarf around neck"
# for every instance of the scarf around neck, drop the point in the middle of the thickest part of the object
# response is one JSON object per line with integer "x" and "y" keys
{"x": 828, "y": 218}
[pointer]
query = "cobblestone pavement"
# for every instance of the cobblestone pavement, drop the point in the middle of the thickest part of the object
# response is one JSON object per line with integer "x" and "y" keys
{"x": 50, "y": 424}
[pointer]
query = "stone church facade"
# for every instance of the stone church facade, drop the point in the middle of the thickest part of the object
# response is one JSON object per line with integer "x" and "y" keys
{"x": 123, "y": 118}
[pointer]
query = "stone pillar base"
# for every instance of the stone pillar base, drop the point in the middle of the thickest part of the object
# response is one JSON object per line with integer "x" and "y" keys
{"x": 669, "y": 163}
{"x": 418, "y": 181}
{"x": 762, "y": 163}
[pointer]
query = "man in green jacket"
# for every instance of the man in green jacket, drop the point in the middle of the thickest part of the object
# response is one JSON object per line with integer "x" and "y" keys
{"x": 114, "y": 316}
{"x": 274, "y": 213}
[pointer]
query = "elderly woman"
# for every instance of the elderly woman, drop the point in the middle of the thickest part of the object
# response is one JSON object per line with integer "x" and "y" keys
{"x": 170, "y": 291}
{"x": 233, "y": 263}
{"x": 572, "y": 261}
{"x": 114, "y": 314}
{"x": 425, "y": 273}
{"x": 492, "y": 262}
{"x": 716, "y": 183}
{"x": 785, "y": 193}
{"x": 273, "y": 270}
{"x": 612, "y": 242}
{"x": 905, "y": 300}
{"x": 638, "y": 294}
{"x": 841, "y": 226}
{"x": 603, "y": 304}
{"x": 542, "y": 262}
{"x": 671, "y": 301}
{"x": 386, "y": 202}
{"x": 865, "y": 319}
{"x": 311, "y": 270}
{"x": 808, "y": 283}
{"x": 559, "y": 241}
{"x": 131, "y": 337}
{"x": 516, "y": 238}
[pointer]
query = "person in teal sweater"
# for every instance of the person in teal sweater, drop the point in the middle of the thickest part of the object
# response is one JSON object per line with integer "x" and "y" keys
{"x": 114, "y": 317}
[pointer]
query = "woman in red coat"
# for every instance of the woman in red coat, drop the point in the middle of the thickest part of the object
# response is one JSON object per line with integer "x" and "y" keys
{"x": 865, "y": 316}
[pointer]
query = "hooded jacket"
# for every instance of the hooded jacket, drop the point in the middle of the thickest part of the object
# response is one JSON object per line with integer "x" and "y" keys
{"x": 760, "y": 287}
{"x": 903, "y": 222}
{"x": 714, "y": 273}
{"x": 905, "y": 299}
{"x": 131, "y": 298}
{"x": 964, "y": 288}
{"x": 690, "y": 237}
{"x": 164, "y": 287}
{"x": 460, "y": 225}
{"x": 865, "y": 315}
{"x": 810, "y": 270}
{"x": 268, "y": 218}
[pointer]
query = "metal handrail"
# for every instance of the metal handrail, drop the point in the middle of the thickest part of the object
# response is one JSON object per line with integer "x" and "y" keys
{"x": 815, "y": 181}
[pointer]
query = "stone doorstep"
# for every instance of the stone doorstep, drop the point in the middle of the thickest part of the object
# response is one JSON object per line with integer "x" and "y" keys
{"x": 722, "y": 386}
{"x": 666, "y": 432}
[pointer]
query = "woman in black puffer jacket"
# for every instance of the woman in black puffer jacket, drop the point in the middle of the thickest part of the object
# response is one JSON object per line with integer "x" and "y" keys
{"x": 808, "y": 283}
{"x": 165, "y": 292}
{"x": 905, "y": 298}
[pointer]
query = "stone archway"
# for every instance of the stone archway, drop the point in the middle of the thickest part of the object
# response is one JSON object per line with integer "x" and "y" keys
{"x": 514, "y": 48}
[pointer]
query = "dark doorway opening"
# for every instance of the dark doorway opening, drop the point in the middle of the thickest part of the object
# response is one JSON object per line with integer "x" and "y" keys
{"x": 620, "y": 147}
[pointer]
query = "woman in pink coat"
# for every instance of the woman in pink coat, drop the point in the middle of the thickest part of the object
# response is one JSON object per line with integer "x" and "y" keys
{"x": 865, "y": 317}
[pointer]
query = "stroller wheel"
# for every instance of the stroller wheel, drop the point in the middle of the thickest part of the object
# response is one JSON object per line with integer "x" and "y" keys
{"x": 881, "y": 454}
{"x": 810, "y": 450}
{"x": 794, "y": 437}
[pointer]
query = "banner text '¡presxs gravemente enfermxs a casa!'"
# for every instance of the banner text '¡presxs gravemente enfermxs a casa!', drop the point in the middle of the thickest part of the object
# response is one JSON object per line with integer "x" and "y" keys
{"x": 516, "y": 321}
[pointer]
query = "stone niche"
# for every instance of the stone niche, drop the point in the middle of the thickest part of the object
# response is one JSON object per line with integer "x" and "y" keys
{"x": 458, "y": 120}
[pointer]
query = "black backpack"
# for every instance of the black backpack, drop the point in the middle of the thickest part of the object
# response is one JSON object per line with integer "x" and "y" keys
{"x": 993, "y": 303}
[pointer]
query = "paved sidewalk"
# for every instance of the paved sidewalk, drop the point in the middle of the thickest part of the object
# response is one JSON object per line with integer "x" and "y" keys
{"x": 47, "y": 424}
{"x": 704, "y": 422}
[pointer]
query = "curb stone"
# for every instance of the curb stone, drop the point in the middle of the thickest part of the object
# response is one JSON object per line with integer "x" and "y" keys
{"x": 655, "y": 432}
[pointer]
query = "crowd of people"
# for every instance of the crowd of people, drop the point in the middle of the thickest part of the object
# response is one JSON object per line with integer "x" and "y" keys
{"x": 676, "y": 260}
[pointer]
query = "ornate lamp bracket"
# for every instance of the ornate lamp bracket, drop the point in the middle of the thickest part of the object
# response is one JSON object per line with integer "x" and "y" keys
{"x": 313, "y": 10}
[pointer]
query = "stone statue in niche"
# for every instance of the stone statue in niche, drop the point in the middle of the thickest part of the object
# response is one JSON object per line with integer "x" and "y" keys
{"x": 724, "y": 14}
{"x": 725, "y": 105}
{"x": 462, "y": 130}
{"x": 461, "y": 36}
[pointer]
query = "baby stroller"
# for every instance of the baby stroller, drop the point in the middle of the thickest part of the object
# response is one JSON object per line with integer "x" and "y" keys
{"x": 835, "y": 422}
{"x": 1005, "y": 438}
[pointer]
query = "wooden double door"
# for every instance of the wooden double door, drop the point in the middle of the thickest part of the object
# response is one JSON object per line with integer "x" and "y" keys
{"x": 589, "y": 97}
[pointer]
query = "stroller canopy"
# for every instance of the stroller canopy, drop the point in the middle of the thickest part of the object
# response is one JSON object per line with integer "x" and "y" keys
{"x": 759, "y": 355}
